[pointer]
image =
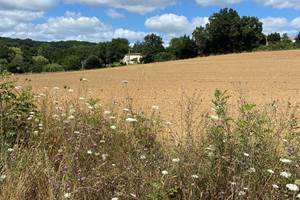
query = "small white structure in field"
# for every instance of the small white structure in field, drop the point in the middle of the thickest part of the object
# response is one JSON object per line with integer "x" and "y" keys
{"x": 132, "y": 58}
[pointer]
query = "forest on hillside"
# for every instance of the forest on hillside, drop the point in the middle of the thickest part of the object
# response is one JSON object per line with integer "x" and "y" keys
{"x": 225, "y": 32}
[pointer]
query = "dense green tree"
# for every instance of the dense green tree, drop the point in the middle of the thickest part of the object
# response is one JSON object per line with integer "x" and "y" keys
{"x": 53, "y": 67}
{"x": 285, "y": 38}
{"x": 4, "y": 51}
{"x": 164, "y": 56}
{"x": 137, "y": 47}
{"x": 3, "y": 64}
{"x": 297, "y": 38}
{"x": 183, "y": 47}
{"x": 252, "y": 35}
{"x": 116, "y": 50}
{"x": 152, "y": 45}
{"x": 274, "y": 38}
{"x": 93, "y": 62}
{"x": 201, "y": 38}
{"x": 16, "y": 64}
{"x": 39, "y": 62}
{"x": 100, "y": 51}
{"x": 224, "y": 31}
{"x": 72, "y": 62}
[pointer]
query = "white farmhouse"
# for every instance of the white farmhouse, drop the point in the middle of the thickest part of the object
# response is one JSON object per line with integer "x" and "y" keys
{"x": 132, "y": 58}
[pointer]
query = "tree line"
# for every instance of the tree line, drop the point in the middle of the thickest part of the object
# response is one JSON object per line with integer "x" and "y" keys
{"x": 225, "y": 32}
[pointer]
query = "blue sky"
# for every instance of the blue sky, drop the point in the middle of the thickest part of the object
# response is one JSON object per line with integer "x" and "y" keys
{"x": 102, "y": 20}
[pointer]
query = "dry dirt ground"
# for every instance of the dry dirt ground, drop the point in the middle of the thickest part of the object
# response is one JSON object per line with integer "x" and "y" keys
{"x": 260, "y": 76}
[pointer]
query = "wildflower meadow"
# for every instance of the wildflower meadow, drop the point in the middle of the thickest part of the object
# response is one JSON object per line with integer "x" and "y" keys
{"x": 79, "y": 148}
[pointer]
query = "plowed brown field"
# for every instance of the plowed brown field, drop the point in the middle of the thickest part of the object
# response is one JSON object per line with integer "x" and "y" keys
{"x": 262, "y": 76}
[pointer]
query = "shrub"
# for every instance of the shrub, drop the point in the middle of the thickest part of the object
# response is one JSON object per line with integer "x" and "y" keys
{"x": 16, "y": 107}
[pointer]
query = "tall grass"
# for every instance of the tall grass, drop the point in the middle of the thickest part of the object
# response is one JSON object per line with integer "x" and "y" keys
{"x": 80, "y": 149}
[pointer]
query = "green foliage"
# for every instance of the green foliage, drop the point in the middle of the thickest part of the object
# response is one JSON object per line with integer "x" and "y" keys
{"x": 116, "y": 50}
{"x": 183, "y": 47}
{"x": 164, "y": 56}
{"x": 201, "y": 37}
{"x": 39, "y": 62}
{"x": 53, "y": 67}
{"x": 285, "y": 38}
{"x": 92, "y": 62}
{"x": 274, "y": 38}
{"x": 16, "y": 106}
{"x": 297, "y": 38}
{"x": 72, "y": 62}
{"x": 19, "y": 56}
{"x": 151, "y": 46}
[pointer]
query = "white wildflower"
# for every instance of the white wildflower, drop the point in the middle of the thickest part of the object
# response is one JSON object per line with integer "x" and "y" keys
{"x": 292, "y": 187}
{"x": 126, "y": 110}
{"x": 10, "y": 149}
{"x": 142, "y": 157}
{"x": 131, "y": 120}
{"x": 214, "y": 117}
{"x": 104, "y": 156}
{"x": 232, "y": 183}
{"x": 252, "y": 170}
{"x": 81, "y": 98}
{"x": 70, "y": 90}
{"x": 175, "y": 160}
{"x": 284, "y": 160}
{"x": 285, "y": 174}
{"x": 133, "y": 195}
{"x": 67, "y": 195}
{"x": 115, "y": 198}
{"x": 246, "y": 154}
{"x": 107, "y": 112}
{"x": 89, "y": 152}
{"x": 113, "y": 127}
{"x": 195, "y": 176}
{"x": 275, "y": 186}
{"x": 164, "y": 172}
{"x": 2, "y": 177}
{"x": 242, "y": 193}
{"x": 71, "y": 117}
{"x": 102, "y": 141}
{"x": 155, "y": 107}
{"x": 270, "y": 171}
{"x": 112, "y": 117}
{"x": 83, "y": 79}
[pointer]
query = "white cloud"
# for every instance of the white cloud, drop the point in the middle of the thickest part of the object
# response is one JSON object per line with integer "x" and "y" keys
{"x": 112, "y": 13}
{"x": 199, "y": 21}
{"x": 33, "y": 5}
{"x": 172, "y": 23}
{"x": 281, "y": 3}
{"x": 217, "y": 2}
{"x": 135, "y": 6}
{"x": 20, "y": 15}
{"x": 281, "y": 25}
{"x": 71, "y": 26}
{"x": 295, "y": 23}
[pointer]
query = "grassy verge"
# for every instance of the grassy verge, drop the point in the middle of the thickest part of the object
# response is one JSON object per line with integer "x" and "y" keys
{"x": 83, "y": 150}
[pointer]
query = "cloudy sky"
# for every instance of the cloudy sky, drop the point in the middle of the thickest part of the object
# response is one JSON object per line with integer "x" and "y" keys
{"x": 101, "y": 20}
